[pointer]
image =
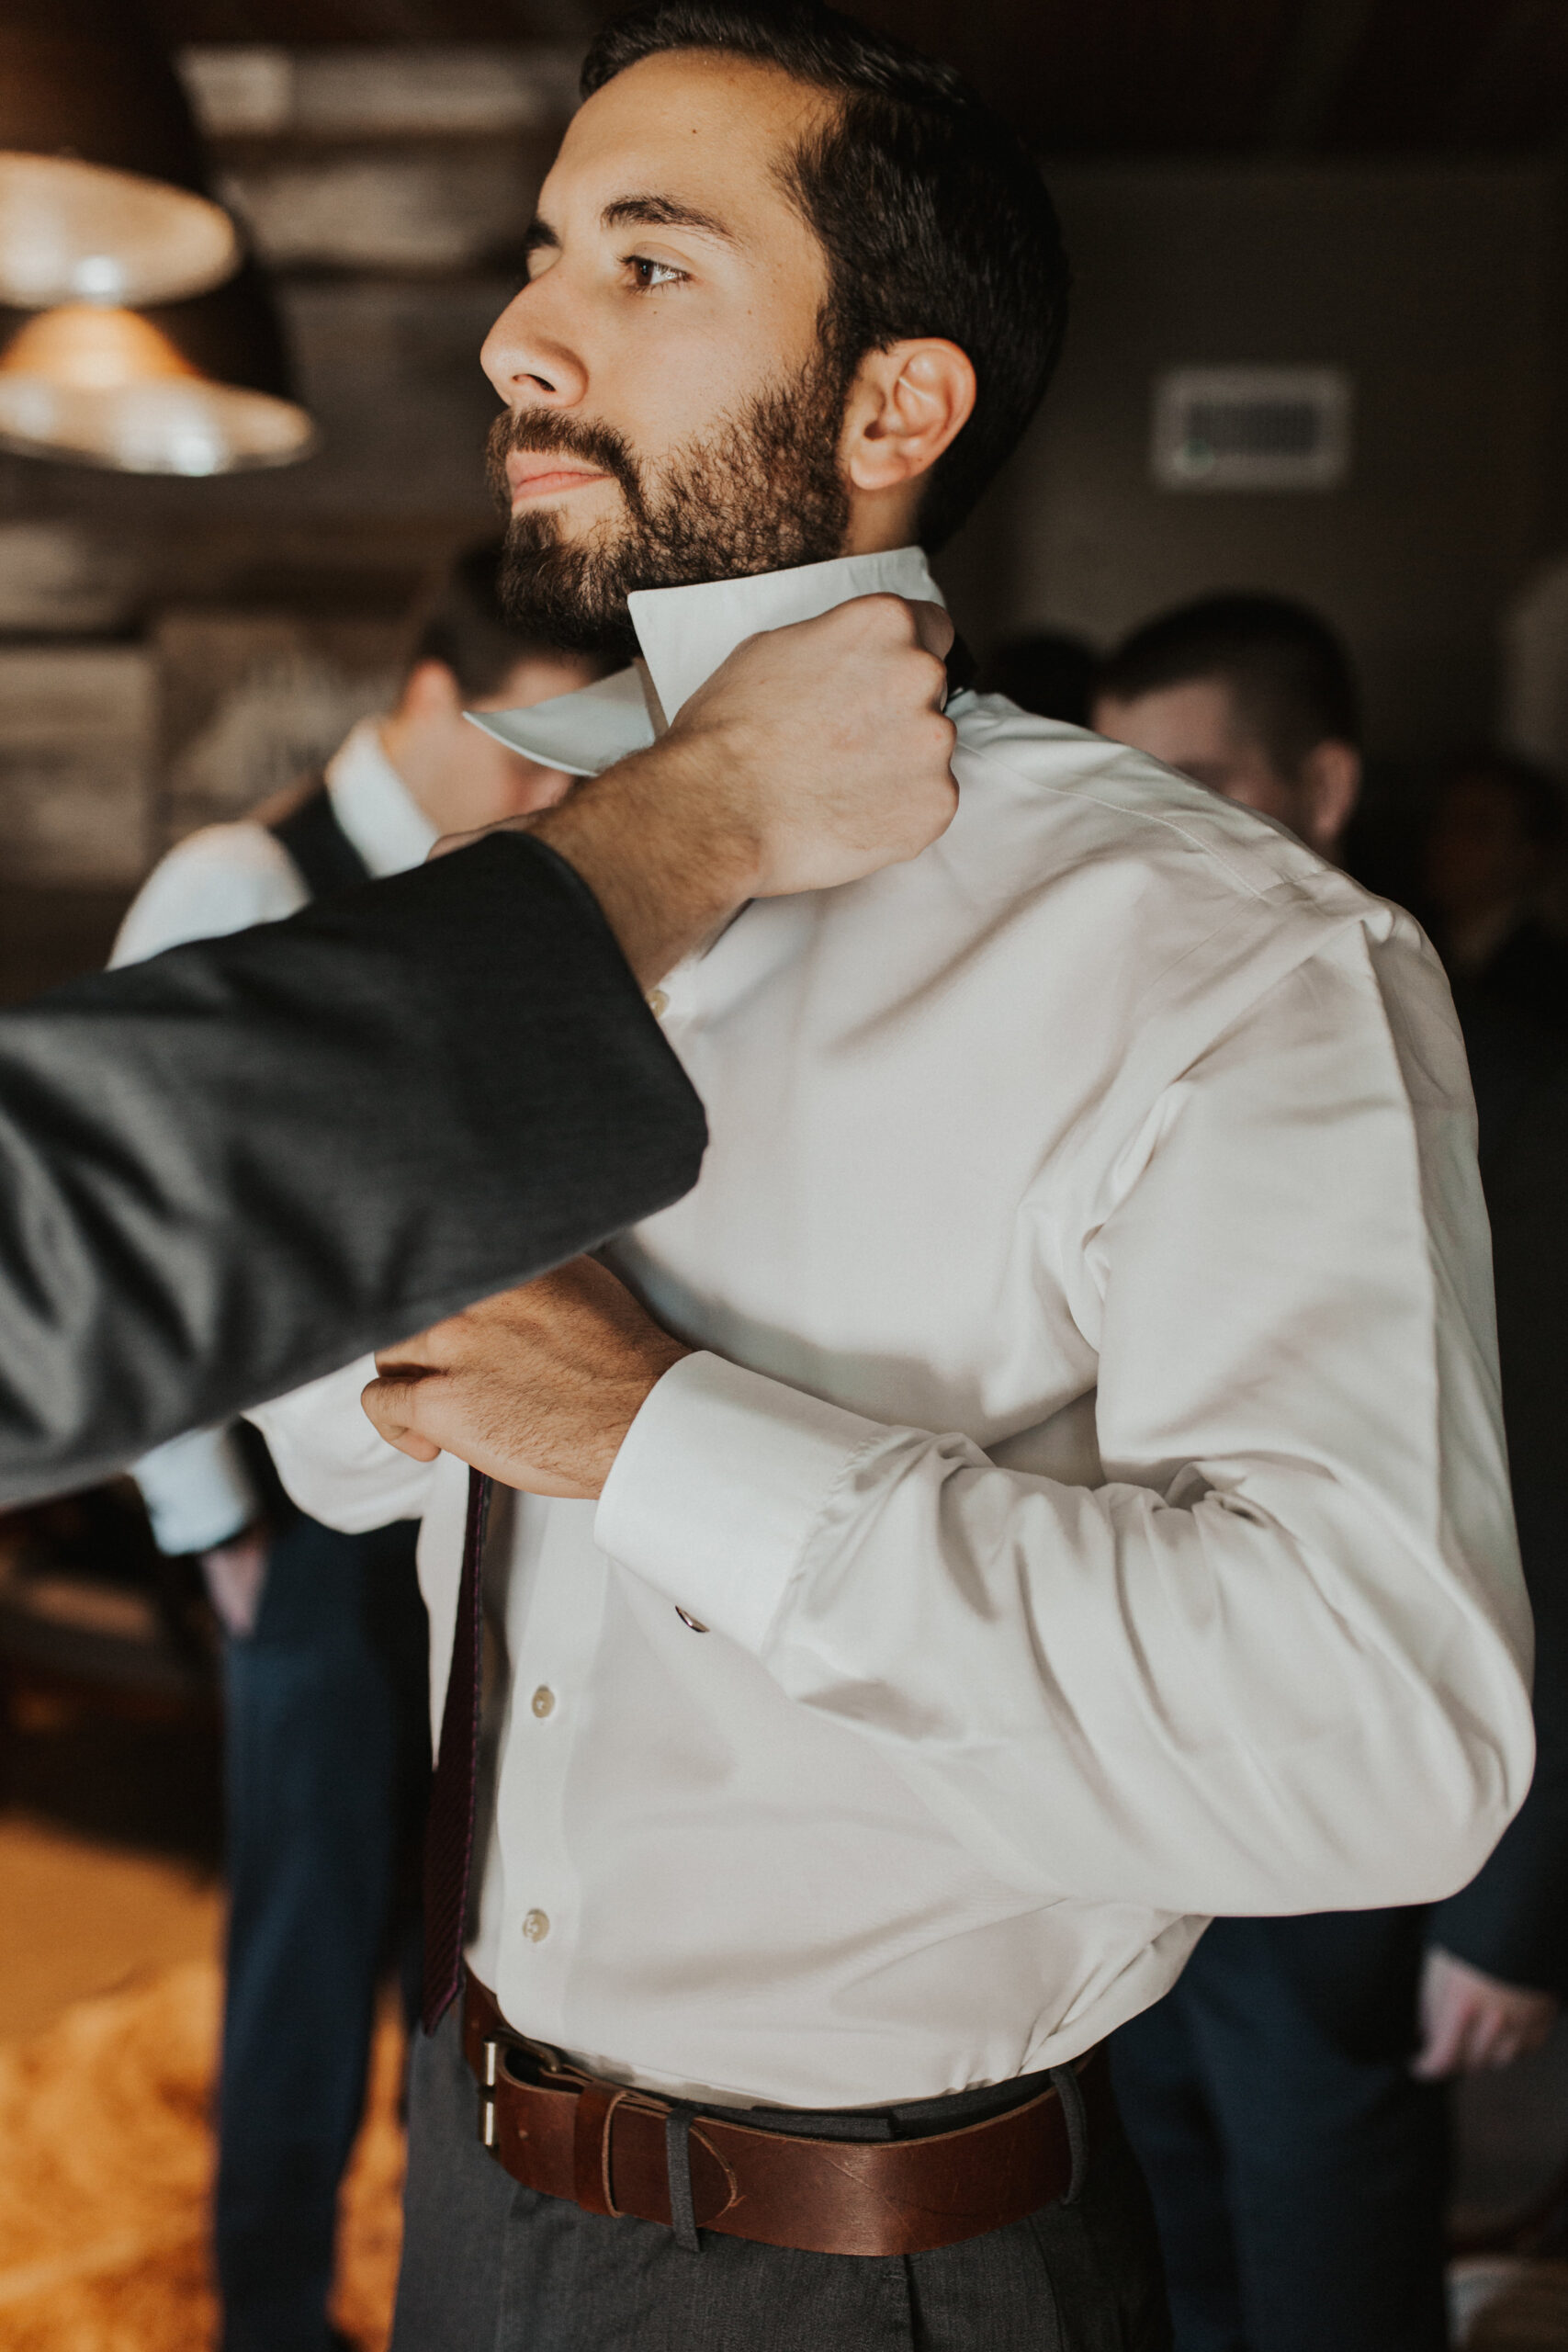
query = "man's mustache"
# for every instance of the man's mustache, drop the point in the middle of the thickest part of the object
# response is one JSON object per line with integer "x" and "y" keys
{"x": 540, "y": 433}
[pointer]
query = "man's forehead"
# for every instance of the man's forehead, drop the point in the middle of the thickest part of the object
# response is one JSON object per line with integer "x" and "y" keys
{"x": 699, "y": 131}
{"x": 1206, "y": 702}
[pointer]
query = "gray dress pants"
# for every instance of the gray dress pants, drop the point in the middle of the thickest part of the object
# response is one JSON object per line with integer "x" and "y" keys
{"x": 489, "y": 2267}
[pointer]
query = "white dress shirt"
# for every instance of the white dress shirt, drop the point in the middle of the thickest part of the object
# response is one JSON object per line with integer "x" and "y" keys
{"x": 198, "y": 1490}
{"x": 1090, "y": 1477}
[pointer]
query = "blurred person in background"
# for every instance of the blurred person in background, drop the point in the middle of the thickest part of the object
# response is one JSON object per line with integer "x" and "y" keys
{"x": 1493, "y": 857}
{"x": 1253, "y": 696}
{"x": 1494, "y": 851}
{"x": 1048, "y": 671}
{"x": 327, "y": 1756}
{"x": 1284, "y": 2097}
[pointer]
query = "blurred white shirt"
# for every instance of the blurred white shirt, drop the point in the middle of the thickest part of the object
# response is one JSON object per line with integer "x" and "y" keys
{"x": 1091, "y": 1478}
{"x": 198, "y": 1490}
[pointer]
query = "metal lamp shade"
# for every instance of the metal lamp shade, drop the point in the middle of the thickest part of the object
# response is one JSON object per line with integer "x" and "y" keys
{"x": 73, "y": 231}
{"x": 196, "y": 390}
{"x": 103, "y": 192}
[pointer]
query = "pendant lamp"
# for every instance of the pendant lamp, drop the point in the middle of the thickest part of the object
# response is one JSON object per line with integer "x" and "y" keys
{"x": 103, "y": 189}
{"x": 198, "y": 388}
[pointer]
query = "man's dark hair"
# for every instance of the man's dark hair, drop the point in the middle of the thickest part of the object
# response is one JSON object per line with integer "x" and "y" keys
{"x": 931, "y": 210}
{"x": 1288, "y": 671}
{"x": 464, "y": 626}
{"x": 1537, "y": 795}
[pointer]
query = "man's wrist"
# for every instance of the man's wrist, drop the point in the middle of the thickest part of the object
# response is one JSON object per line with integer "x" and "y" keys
{"x": 653, "y": 841}
{"x": 623, "y": 1410}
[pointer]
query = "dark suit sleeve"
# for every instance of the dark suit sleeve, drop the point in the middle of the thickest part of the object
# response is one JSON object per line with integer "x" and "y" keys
{"x": 239, "y": 1164}
{"x": 1512, "y": 1920}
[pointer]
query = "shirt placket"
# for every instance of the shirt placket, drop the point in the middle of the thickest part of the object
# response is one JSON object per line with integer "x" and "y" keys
{"x": 553, "y": 1634}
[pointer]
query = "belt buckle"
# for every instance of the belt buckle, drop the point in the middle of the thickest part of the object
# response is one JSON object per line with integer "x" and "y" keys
{"x": 490, "y": 2071}
{"x": 494, "y": 2050}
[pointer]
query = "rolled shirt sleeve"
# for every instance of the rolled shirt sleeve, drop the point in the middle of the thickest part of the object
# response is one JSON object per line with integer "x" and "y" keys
{"x": 1278, "y": 1660}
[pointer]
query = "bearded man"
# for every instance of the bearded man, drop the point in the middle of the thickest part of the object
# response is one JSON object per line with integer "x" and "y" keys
{"x": 1041, "y": 1487}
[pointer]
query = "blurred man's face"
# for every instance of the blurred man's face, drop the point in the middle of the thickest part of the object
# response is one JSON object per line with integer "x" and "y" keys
{"x": 460, "y": 776}
{"x": 1197, "y": 729}
{"x": 670, "y": 414}
{"x": 493, "y": 782}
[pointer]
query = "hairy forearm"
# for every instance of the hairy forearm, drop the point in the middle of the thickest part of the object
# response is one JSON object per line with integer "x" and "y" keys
{"x": 665, "y": 856}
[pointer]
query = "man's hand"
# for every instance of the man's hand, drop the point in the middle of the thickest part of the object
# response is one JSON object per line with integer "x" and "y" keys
{"x": 538, "y": 1387}
{"x": 824, "y": 745}
{"x": 814, "y": 755}
{"x": 1470, "y": 2020}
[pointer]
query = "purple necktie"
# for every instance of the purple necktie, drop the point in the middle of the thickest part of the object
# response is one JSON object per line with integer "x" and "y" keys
{"x": 449, "y": 1831}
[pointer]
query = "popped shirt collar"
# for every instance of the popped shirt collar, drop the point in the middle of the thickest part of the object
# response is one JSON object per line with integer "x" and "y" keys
{"x": 683, "y": 634}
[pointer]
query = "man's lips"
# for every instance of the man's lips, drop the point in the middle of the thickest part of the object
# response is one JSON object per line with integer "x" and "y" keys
{"x": 538, "y": 476}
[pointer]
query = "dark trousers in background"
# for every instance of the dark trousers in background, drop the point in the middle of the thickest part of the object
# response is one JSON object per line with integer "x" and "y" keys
{"x": 1298, "y": 2171}
{"x": 328, "y": 1765}
{"x": 488, "y": 2262}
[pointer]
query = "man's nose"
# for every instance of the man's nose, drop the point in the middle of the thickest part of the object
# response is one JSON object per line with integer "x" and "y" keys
{"x": 529, "y": 362}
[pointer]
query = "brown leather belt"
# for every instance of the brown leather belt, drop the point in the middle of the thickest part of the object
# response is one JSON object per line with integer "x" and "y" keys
{"x": 608, "y": 2149}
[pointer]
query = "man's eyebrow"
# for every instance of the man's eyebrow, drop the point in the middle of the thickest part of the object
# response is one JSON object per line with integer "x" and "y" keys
{"x": 540, "y": 238}
{"x": 663, "y": 212}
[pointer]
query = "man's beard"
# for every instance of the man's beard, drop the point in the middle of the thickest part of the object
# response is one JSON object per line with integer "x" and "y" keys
{"x": 763, "y": 494}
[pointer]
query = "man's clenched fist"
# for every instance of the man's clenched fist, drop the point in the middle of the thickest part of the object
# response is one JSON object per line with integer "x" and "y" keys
{"x": 538, "y": 1387}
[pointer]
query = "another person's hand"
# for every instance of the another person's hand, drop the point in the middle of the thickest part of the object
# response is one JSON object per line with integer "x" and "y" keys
{"x": 235, "y": 1574}
{"x": 1470, "y": 2020}
{"x": 814, "y": 755}
{"x": 823, "y": 747}
{"x": 538, "y": 1387}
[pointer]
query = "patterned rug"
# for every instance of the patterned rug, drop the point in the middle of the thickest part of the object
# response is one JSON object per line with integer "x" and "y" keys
{"x": 106, "y": 2162}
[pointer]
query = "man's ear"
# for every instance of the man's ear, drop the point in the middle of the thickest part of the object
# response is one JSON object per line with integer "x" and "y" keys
{"x": 430, "y": 692}
{"x": 1331, "y": 780}
{"x": 906, "y": 406}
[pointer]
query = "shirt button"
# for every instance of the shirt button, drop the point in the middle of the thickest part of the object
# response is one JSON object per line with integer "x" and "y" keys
{"x": 658, "y": 1003}
{"x": 543, "y": 1702}
{"x": 536, "y": 1926}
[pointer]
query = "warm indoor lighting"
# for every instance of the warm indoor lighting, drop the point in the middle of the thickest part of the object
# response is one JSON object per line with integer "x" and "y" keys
{"x": 104, "y": 191}
{"x": 107, "y": 387}
{"x": 72, "y": 232}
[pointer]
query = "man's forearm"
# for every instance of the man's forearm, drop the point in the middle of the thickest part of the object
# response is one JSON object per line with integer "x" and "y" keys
{"x": 666, "y": 859}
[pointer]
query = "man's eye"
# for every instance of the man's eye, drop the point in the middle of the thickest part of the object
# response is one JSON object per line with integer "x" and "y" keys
{"x": 649, "y": 274}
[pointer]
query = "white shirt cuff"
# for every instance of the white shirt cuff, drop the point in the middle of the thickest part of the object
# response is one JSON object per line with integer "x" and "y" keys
{"x": 198, "y": 1491}
{"x": 717, "y": 1486}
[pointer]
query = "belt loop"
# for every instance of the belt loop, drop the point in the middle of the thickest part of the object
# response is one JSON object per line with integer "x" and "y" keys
{"x": 1069, "y": 2090}
{"x": 678, "y": 2164}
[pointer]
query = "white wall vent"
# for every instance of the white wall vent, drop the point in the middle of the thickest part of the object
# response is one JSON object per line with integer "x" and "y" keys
{"x": 1252, "y": 428}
